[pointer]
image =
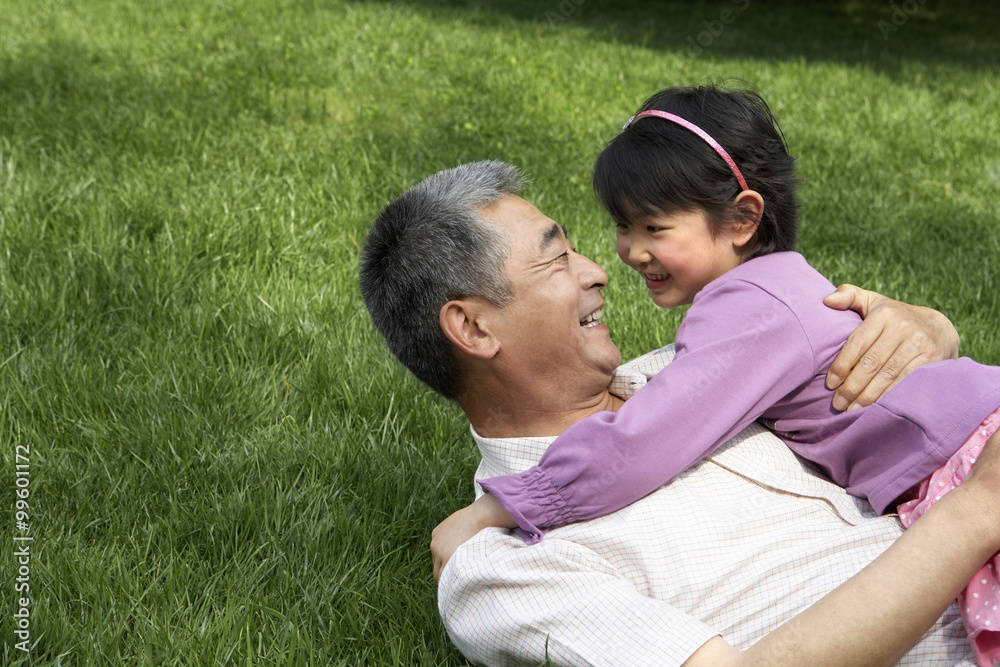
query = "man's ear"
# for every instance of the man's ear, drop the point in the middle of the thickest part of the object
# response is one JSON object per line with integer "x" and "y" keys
{"x": 748, "y": 202}
{"x": 464, "y": 323}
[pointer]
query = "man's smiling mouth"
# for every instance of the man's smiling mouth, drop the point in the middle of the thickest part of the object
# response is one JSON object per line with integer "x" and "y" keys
{"x": 591, "y": 320}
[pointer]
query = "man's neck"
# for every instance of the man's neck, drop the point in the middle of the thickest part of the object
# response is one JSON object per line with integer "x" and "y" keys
{"x": 529, "y": 415}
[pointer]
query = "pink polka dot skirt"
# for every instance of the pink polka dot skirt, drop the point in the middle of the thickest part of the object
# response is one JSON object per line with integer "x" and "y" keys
{"x": 980, "y": 601}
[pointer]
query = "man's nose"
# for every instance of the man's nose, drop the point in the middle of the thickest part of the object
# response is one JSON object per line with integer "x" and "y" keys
{"x": 592, "y": 274}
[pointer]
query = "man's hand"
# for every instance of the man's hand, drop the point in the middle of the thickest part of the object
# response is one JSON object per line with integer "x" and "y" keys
{"x": 894, "y": 339}
{"x": 461, "y": 526}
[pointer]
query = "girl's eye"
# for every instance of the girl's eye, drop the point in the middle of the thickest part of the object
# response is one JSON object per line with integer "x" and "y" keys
{"x": 620, "y": 227}
{"x": 652, "y": 229}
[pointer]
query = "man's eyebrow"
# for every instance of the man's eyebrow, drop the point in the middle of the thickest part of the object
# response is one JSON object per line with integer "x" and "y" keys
{"x": 551, "y": 234}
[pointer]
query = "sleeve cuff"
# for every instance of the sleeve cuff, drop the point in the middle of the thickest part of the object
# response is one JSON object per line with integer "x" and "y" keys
{"x": 532, "y": 500}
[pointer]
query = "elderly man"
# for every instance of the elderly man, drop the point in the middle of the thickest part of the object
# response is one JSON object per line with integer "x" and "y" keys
{"x": 749, "y": 557}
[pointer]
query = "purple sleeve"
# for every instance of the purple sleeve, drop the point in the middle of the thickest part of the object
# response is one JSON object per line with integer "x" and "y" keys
{"x": 739, "y": 351}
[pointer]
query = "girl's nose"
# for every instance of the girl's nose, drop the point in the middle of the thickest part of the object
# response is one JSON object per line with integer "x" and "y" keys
{"x": 637, "y": 252}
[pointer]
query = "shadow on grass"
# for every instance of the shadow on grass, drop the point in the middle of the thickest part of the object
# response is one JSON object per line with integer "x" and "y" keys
{"x": 880, "y": 35}
{"x": 92, "y": 104}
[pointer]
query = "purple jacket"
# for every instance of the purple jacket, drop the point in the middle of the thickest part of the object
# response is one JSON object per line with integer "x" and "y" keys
{"x": 756, "y": 343}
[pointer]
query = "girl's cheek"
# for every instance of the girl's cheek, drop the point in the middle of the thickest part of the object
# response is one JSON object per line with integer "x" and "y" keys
{"x": 622, "y": 246}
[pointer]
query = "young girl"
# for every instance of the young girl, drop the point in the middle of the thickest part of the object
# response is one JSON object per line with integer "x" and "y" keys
{"x": 703, "y": 192}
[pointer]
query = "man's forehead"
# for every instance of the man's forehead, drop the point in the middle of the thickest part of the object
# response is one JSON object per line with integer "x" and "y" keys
{"x": 524, "y": 222}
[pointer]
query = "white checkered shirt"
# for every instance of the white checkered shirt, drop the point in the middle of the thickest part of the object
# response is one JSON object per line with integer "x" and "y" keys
{"x": 735, "y": 546}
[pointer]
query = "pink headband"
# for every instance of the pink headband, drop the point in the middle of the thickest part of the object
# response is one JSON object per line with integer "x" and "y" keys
{"x": 697, "y": 130}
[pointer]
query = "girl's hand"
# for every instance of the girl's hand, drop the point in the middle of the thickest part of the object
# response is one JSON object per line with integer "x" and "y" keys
{"x": 461, "y": 526}
{"x": 893, "y": 339}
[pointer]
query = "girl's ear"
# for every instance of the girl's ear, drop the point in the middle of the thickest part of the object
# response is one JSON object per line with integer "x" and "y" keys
{"x": 751, "y": 204}
{"x": 465, "y": 324}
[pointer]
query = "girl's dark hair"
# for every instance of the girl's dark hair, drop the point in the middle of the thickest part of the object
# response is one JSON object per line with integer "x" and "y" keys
{"x": 657, "y": 167}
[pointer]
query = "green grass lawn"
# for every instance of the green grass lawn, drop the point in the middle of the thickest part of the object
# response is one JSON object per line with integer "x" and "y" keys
{"x": 225, "y": 465}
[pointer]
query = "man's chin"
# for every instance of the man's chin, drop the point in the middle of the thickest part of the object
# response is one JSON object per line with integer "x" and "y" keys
{"x": 614, "y": 359}
{"x": 608, "y": 356}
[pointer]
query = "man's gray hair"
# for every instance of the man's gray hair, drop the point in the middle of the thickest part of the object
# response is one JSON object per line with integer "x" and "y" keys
{"x": 429, "y": 246}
